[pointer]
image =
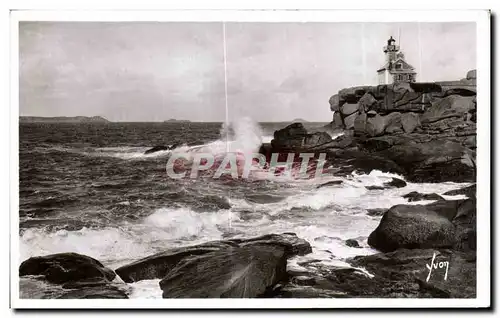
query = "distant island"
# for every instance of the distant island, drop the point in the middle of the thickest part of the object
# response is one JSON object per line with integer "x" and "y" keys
{"x": 299, "y": 120}
{"x": 177, "y": 121}
{"x": 62, "y": 119}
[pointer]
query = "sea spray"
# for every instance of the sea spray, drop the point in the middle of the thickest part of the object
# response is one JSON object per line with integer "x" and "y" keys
{"x": 245, "y": 135}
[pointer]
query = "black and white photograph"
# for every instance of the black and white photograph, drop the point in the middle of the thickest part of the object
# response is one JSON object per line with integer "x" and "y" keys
{"x": 282, "y": 159}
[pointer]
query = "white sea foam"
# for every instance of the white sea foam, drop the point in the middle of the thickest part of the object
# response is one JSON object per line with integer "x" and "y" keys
{"x": 148, "y": 289}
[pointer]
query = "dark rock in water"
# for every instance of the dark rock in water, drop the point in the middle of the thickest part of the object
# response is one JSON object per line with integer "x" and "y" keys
{"x": 156, "y": 149}
{"x": 412, "y": 226}
{"x": 291, "y": 131}
{"x": 65, "y": 267}
{"x": 294, "y": 138}
{"x": 293, "y": 245}
{"x": 376, "y": 212}
{"x": 356, "y": 160}
{"x": 432, "y": 161}
{"x": 350, "y": 120}
{"x": 263, "y": 198}
{"x": 237, "y": 272}
{"x": 448, "y": 107}
{"x": 469, "y": 191}
{"x": 417, "y": 196}
{"x": 159, "y": 265}
{"x": 211, "y": 203}
{"x": 246, "y": 215}
{"x": 330, "y": 183}
{"x": 395, "y": 182}
{"x": 352, "y": 243}
{"x": 375, "y": 187}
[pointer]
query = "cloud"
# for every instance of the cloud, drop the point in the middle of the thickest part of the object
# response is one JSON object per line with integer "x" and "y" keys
{"x": 276, "y": 71}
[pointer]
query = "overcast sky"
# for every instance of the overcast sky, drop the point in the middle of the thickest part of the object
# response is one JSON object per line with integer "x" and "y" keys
{"x": 275, "y": 71}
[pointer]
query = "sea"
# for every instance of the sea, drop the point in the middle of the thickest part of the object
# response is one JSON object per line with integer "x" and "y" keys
{"x": 90, "y": 189}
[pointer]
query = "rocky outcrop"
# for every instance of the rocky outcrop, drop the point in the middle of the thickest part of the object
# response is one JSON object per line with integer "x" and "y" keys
{"x": 237, "y": 272}
{"x": 409, "y": 123}
{"x": 424, "y": 159}
{"x": 417, "y": 196}
{"x": 394, "y": 183}
{"x": 399, "y": 274}
{"x": 295, "y": 138}
{"x": 65, "y": 267}
{"x": 159, "y": 265}
{"x": 403, "y": 273}
{"x": 469, "y": 191}
{"x": 156, "y": 149}
{"x": 441, "y": 224}
{"x": 412, "y": 226}
{"x": 465, "y": 226}
{"x": 352, "y": 243}
{"x": 68, "y": 276}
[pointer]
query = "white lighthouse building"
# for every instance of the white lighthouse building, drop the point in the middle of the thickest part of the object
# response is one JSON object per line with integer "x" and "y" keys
{"x": 395, "y": 69}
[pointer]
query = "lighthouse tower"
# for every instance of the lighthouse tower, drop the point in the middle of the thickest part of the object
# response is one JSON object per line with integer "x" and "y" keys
{"x": 395, "y": 69}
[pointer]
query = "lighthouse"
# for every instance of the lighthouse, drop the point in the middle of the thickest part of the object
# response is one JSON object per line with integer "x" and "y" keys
{"x": 395, "y": 69}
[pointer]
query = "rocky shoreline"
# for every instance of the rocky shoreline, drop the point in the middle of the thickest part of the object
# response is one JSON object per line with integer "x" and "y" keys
{"x": 423, "y": 131}
{"x": 409, "y": 237}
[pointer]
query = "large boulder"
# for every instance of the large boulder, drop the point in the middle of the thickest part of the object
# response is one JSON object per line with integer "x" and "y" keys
{"x": 349, "y": 121}
{"x": 412, "y": 226}
{"x": 469, "y": 191}
{"x": 375, "y": 126}
{"x": 366, "y": 102}
{"x": 360, "y": 124}
{"x": 393, "y": 123}
{"x": 410, "y": 121}
{"x": 417, "y": 196}
{"x": 334, "y": 103}
{"x": 394, "y": 183}
{"x": 316, "y": 139}
{"x": 237, "y": 272}
{"x": 292, "y": 131}
{"x": 426, "y": 160}
{"x": 295, "y": 137}
{"x": 451, "y": 106}
{"x": 66, "y": 267}
{"x": 352, "y": 94}
{"x": 348, "y": 109}
{"x": 399, "y": 274}
{"x": 337, "y": 122}
{"x": 159, "y": 265}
